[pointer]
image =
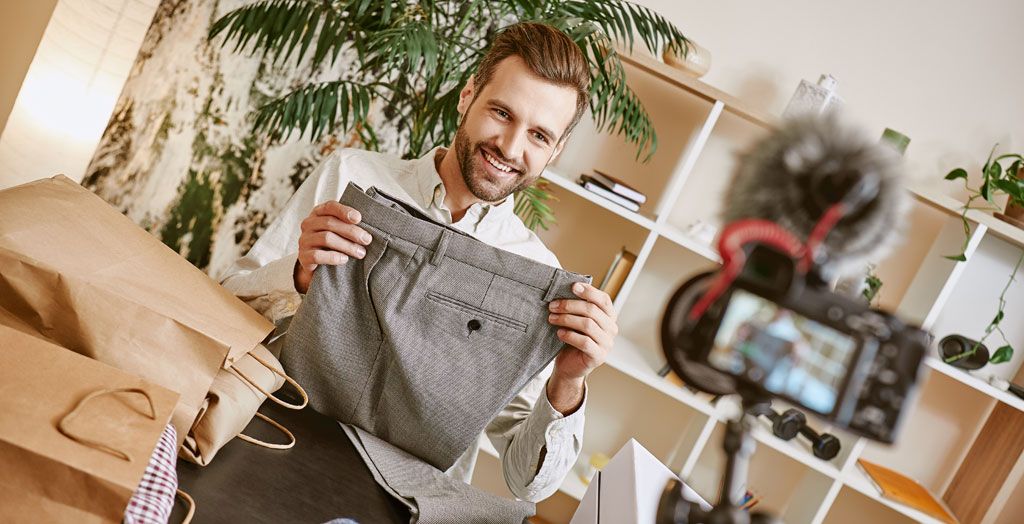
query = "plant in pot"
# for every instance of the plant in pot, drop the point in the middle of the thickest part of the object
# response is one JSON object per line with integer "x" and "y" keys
{"x": 412, "y": 57}
{"x": 1001, "y": 174}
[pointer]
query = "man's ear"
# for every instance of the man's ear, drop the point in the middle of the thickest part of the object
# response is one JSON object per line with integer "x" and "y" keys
{"x": 466, "y": 96}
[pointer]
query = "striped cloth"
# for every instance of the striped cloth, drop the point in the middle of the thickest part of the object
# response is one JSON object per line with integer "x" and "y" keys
{"x": 154, "y": 498}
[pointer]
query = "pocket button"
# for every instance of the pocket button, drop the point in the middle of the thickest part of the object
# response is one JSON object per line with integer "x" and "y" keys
{"x": 473, "y": 325}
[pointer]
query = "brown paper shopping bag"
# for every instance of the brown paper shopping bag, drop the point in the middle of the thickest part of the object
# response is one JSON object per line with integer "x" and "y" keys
{"x": 79, "y": 273}
{"x": 235, "y": 396}
{"x": 75, "y": 434}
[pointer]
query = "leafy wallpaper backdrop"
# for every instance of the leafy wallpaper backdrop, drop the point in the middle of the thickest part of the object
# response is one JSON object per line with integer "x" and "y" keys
{"x": 178, "y": 155}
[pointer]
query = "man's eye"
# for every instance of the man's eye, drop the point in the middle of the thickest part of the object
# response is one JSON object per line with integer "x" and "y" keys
{"x": 502, "y": 114}
{"x": 540, "y": 137}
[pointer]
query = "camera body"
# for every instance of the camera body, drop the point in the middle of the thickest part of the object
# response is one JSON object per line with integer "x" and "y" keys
{"x": 779, "y": 333}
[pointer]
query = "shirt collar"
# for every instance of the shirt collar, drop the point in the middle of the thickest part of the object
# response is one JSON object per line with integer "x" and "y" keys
{"x": 431, "y": 192}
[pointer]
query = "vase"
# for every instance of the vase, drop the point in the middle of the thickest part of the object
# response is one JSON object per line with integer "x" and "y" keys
{"x": 953, "y": 345}
{"x": 1014, "y": 213}
{"x": 696, "y": 63}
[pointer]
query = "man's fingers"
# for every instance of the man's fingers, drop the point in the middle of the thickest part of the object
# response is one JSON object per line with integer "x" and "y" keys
{"x": 585, "y": 309}
{"x": 329, "y": 223}
{"x": 311, "y": 258}
{"x": 581, "y": 342}
{"x": 332, "y": 242}
{"x": 584, "y": 325}
{"x": 592, "y": 294}
{"x": 339, "y": 211}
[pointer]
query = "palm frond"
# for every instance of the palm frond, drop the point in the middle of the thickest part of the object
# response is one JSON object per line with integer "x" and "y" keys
{"x": 531, "y": 206}
{"x": 623, "y": 21}
{"x": 318, "y": 108}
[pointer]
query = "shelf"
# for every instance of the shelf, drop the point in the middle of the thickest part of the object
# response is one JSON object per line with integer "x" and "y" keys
{"x": 628, "y": 358}
{"x": 571, "y": 186}
{"x": 571, "y": 486}
{"x": 678, "y": 237}
{"x": 677, "y": 78}
{"x": 792, "y": 449}
{"x": 949, "y": 205}
{"x": 974, "y": 382}
{"x": 858, "y": 480}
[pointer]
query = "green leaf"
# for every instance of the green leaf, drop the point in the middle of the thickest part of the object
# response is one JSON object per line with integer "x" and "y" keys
{"x": 986, "y": 191}
{"x": 998, "y": 318}
{"x": 957, "y": 173}
{"x": 958, "y": 258}
{"x": 1003, "y": 354}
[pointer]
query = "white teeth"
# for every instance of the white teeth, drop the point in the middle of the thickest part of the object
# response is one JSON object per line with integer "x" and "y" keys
{"x": 498, "y": 165}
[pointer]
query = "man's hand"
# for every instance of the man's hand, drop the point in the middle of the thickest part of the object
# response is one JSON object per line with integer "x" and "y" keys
{"x": 588, "y": 328}
{"x": 329, "y": 236}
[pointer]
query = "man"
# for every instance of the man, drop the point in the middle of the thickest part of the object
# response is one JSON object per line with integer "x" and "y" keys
{"x": 529, "y": 92}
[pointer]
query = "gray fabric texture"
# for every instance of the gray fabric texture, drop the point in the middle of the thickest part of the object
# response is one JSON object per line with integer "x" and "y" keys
{"x": 423, "y": 341}
{"x": 439, "y": 499}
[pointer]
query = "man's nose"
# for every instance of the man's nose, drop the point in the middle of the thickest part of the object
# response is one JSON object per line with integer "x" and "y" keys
{"x": 512, "y": 145}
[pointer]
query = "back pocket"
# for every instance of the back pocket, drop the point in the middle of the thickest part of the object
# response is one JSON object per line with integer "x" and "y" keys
{"x": 463, "y": 307}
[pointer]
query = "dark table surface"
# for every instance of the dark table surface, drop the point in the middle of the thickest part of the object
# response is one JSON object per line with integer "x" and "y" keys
{"x": 321, "y": 478}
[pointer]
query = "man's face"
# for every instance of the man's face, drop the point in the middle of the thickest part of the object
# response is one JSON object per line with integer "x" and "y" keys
{"x": 510, "y": 130}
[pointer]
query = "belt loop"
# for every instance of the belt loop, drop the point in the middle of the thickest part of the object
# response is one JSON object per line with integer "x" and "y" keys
{"x": 552, "y": 287}
{"x": 442, "y": 246}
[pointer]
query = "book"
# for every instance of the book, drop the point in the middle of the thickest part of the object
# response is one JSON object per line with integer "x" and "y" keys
{"x": 618, "y": 186}
{"x": 907, "y": 491}
{"x": 601, "y": 191}
{"x": 617, "y": 273}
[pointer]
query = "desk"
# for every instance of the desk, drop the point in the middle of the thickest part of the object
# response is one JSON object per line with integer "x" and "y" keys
{"x": 321, "y": 478}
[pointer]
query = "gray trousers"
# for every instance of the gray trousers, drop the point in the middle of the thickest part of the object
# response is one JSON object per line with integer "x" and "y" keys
{"x": 423, "y": 341}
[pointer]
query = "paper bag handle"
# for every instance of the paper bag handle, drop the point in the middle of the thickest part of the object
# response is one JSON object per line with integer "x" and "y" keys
{"x": 66, "y": 419}
{"x": 191, "y": 506}
{"x": 281, "y": 428}
{"x": 289, "y": 380}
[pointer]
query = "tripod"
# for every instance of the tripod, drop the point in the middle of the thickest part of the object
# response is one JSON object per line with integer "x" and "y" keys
{"x": 739, "y": 446}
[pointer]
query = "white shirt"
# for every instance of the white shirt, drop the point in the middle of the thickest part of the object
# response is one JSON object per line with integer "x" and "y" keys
{"x": 263, "y": 278}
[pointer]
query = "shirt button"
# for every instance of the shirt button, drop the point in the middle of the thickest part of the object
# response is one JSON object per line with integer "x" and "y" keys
{"x": 473, "y": 325}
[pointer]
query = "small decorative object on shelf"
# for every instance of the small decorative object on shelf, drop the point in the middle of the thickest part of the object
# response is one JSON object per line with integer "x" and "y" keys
{"x": 696, "y": 63}
{"x": 994, "y": 180}
{"x": 814, "y": 99}
{"x": 962, "y": 352}
{"x": 702, "y": 232}
{"x": 596, "y": 463}
{"x": 1005, "y": 385}
{"x": 1014, "y": 213}
{"x": 897, "y": 140}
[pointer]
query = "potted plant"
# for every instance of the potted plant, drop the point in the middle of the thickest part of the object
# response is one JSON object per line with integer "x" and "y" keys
{"x": 1002, "y": 174}
{"x": 413, "y": 57}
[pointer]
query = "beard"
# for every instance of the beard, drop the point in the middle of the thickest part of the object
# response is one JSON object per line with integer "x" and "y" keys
{"x": 480, "y": 183}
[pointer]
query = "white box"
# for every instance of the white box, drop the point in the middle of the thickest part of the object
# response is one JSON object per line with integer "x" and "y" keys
{"x": 628, "y": 489}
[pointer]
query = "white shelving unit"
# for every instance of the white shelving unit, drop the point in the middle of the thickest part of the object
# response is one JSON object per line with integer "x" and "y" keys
{"x": 700, "y": 129}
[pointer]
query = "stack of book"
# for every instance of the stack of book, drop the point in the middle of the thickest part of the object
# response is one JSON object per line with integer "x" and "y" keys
{"x": 613, "y": 189}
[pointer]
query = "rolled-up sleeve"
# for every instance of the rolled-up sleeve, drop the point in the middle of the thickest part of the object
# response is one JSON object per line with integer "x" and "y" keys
{"x": 538, "y": 446}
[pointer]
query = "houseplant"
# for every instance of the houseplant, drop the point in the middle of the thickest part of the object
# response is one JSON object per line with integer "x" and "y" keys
{"x": 413, "y": 57}
{"x": 1002, "y": 174}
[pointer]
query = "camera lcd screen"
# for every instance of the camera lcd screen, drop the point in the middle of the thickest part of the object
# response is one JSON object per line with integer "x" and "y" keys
{"x": 786, "y": 353}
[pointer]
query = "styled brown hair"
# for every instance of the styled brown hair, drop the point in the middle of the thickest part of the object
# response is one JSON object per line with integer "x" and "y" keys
{"x": 548, "y": 52}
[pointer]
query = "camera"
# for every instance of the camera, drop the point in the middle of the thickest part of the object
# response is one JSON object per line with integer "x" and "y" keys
{"x": 812, "y": 199}
{"x": 778, "y": 333}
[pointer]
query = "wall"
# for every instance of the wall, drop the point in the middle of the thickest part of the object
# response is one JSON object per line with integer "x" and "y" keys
{"x": 942, "y": 72}
{"x": 63, "y": 105}
{"x": 21, "y": 28}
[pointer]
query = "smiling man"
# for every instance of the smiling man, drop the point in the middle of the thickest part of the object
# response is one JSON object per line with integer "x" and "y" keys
{"x": 517, "y": 111}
